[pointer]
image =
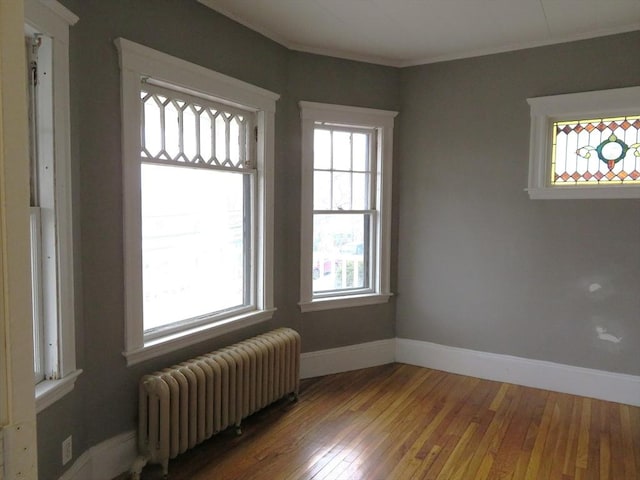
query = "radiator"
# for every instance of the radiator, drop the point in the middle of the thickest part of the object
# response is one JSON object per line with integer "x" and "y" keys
{"x": 185, "y": 404}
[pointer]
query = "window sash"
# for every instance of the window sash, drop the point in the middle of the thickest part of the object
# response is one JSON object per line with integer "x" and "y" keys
{"x": 369, "y": 195}
{"x": 181, "y": 101}
{"x": 345, "y": 269}
{"x": 249, "y": 226}
{"x": 248, "y": 281}
{"x": 343, "y": 261}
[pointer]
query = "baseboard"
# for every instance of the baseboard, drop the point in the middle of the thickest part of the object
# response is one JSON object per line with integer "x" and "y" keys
{"x": 106, "y": 460}
{"x": 344, "y": 359}
{"x": 80, "y": 469}
{"x": 614, "y": 387}
{"x": 114, "y": 456}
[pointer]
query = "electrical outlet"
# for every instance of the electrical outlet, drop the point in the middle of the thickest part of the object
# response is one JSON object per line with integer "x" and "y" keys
{"x": 67, "y": 450}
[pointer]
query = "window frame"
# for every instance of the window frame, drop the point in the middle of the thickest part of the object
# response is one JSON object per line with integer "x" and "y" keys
{"x": 574, "y": 106}
{"x": 381, "y": 122}
{"x": 136, "y": 63}
{"x": 52, "y": 20}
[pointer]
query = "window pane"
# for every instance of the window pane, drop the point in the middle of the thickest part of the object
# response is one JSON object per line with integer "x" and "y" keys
{"x": 172, "y": 130}
{"x": 152, "y": 127}
{"x": 340, "y": 252}
{"x": 341, "y": 191}
{"x": 322, "y": 149}
{"x": 341, "y": 150}
{"x": 221, "y": 138}
{"x": 360, "y": 152}
{"x": 322, "y": 191}
{"x": 193, "y": 243}
{"x": 189, "y": 129}
{"x": 205, "y": 135}
{"x": 235, "y": 140}
{"x": 596, "y": 151}
{"x": 360, "y": 191}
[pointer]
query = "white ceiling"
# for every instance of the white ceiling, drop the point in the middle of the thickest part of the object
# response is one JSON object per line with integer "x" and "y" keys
{"x": 412, "y": 32}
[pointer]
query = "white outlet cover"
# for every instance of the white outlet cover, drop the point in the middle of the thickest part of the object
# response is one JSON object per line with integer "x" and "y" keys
{"x": 67, "y": 450}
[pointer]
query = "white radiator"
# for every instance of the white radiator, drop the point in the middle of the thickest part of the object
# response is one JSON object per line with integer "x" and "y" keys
{"x": 185, "y": 404}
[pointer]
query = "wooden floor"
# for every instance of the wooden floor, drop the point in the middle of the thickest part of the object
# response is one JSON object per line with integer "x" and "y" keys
{"x": 404, "y": 422}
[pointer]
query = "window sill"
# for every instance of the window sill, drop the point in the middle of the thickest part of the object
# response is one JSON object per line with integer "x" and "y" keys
{"x": 161, "y": 346}
{"x": 49, "y": 392}
{"x": 331, "y": 303}
{"x": 583, "y": 192}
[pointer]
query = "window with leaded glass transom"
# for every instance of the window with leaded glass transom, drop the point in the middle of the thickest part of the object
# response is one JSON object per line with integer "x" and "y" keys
{"x": 198, "y": 202}
{"x": 196, "y": 189}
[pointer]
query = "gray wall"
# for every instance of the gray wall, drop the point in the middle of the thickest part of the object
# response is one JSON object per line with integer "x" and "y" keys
{"x": 483, "y": 267}
{"x": 103, "y": 403}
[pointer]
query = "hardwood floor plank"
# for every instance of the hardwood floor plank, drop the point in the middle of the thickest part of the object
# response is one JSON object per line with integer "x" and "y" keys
{"x": 593, "y": 465}
{"x": 582, "y": 455}
{"x": 568, "y": 467}
{"x": 612, "y": 424}
{"x": 630, "y": 465}
{"x": 541, "y": 438}
{"x": 399, "y": 422}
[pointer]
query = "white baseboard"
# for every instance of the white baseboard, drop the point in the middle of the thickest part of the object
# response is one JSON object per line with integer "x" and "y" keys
{"x": 343, "y": 359}
{"x": 614, "y": 387}
{"x": 80, "y": 469}
{"x": 106, "y": 460}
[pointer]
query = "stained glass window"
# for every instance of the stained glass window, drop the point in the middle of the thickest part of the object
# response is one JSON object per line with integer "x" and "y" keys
{"x": 596, "y": 151}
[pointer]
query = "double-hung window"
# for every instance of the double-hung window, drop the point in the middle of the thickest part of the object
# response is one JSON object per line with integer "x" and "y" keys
{"x": 198, "y": 155}
{"x": 46, "y": 43}
{"x": 346, "y": 195}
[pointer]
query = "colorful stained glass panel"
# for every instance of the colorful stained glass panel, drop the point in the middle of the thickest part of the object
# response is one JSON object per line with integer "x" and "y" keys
{"x": 596, "y": 151}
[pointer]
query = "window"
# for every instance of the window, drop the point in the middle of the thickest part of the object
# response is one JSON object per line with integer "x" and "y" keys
{"x": 52, "y": 292}
{"x": 198, "y": 192}
{"x": 586, "y": 145}
{"x": 346, "y": 210}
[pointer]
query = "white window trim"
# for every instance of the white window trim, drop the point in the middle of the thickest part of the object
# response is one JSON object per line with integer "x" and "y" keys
{"x": 53, "y": 20}
{"x": 382, "y": 121}
{"x": 546, "y": 110}
{"x": 137, "y": 62}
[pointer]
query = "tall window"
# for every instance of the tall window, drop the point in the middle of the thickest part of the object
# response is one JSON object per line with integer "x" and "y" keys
{"x": 197, "y": 185}
{"x": 346, "y": 206}
{"x": 52, "y": 293}
{"x": 343, "y": 209}
{"x": 198, "y": 192}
